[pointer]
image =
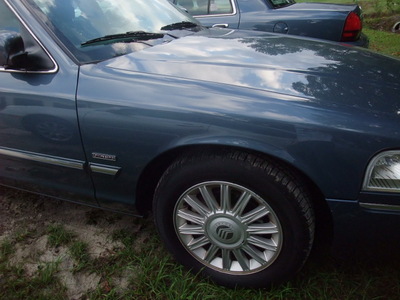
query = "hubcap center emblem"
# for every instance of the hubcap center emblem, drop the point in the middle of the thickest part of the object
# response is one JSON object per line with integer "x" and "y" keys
{"x": 225, "y": 231}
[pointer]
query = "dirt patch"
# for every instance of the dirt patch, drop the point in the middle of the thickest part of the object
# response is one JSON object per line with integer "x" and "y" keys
{"x": 25, "y": 219}
{"x": 384, "y": 23}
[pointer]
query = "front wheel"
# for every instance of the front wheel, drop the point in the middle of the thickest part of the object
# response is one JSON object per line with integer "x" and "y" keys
{"x": 239, "y": 219}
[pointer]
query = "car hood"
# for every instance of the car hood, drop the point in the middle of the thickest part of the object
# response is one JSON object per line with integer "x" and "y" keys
{"x": 325, "y": 73}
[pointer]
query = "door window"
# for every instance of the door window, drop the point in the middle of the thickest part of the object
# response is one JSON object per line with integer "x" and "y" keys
{"x": 206, "y": 7}
{"x": 29, "y": 55}
{"x": 8, "y": 21}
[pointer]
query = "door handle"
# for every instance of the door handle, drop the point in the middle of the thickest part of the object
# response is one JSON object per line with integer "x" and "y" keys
{"x": 220, "y": 25}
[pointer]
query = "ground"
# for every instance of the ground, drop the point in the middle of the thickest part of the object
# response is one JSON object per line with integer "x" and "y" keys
{"x": 33, "y": 224}
{"x": 384, "y": 23}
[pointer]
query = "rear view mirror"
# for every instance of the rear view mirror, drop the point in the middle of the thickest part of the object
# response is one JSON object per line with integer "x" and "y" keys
{"x": 19, "y": 52}
{"x": 182, "y": 8}
{"x": 12, "y": 50}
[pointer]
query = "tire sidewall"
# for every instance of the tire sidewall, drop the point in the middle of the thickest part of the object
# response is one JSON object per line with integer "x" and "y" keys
{"x": 180, "y": 177}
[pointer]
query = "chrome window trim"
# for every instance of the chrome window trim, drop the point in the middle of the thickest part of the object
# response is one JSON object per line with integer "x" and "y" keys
{"x": 42, "y": 158}
{"x": 52, "y": 71}
{"x": 234, "y": 12}
{"x": 368, "y": 173}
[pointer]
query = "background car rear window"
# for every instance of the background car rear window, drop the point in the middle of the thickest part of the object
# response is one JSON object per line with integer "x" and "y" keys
{"x": 282, "y": 3}
{"x": 206, "y": 7}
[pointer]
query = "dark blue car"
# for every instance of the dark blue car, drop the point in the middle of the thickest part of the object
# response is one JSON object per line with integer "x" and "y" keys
{"x": 336, "y": 22}
{"x": 248, "y": 147}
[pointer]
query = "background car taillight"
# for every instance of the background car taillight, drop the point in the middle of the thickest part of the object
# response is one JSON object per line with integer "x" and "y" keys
{"x": 352, "y": 28}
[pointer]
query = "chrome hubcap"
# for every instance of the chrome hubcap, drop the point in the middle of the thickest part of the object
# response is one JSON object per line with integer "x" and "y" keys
{"x": 224, "y": 231}
{"x": 227, "y": 227}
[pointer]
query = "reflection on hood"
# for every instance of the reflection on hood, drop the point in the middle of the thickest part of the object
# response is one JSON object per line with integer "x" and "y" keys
{"x": 325, "y": 72}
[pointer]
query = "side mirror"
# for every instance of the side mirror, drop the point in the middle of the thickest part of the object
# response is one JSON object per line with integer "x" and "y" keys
{"x": 12, "y": 50}
{"x": 182, "y": 8}
{"x": 22, "y": 53}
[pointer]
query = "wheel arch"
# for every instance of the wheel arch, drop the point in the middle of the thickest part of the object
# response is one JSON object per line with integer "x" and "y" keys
{"x": 154, "y": 170}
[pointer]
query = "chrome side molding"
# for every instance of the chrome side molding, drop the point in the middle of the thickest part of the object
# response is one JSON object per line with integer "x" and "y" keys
{"x": 379, "y": 206}
{"x": 104, "y": 169}
{"x": 42, "y": 158}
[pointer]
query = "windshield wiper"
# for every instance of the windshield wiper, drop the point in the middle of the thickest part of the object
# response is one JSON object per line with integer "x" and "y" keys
{"x": 130, "y": 35}
{"x": 179, "y": 25}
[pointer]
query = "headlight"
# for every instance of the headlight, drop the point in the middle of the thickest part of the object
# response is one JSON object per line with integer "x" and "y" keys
{"x": 383, "y": 173}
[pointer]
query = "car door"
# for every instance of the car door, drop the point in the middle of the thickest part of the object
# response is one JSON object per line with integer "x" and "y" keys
{"x": 213, "y": 13}
{"x": 40, "y": 145}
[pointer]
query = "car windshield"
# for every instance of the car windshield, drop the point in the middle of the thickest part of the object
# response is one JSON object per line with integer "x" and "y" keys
{"x": 95, "y": 30}
{"x": 281, "y": 3}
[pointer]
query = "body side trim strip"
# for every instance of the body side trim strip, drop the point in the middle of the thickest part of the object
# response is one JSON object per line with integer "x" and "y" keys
{"x": 377, "y": 206}
{"x": 104, "y": 169}
{"x": 47, "y": 159}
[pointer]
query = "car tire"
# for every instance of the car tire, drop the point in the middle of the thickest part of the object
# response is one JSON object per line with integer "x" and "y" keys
{"x": 237, "y": 218}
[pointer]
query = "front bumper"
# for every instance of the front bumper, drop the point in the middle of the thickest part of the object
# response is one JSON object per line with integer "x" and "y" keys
{"x": 359, "y": 231}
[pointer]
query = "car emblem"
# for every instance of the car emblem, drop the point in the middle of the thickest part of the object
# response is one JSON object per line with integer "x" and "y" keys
{"x": 103, "y": 156}
{"x": 224, "y": 232}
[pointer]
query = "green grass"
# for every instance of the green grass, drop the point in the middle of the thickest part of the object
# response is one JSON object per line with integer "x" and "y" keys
{"x": 153, "y": 274}
{"x": 79, "y": 252}
{"x": 150, "y": 273}
{"x": 157, "y": 276}
{"x": 23, "y": 234}
{"x": 58, "y": 236}
{"x": 6, "y": 249}
{"x": 15, "y": 284}
{"x": 384, "y": 42}
{"x": 373, "y": 8}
